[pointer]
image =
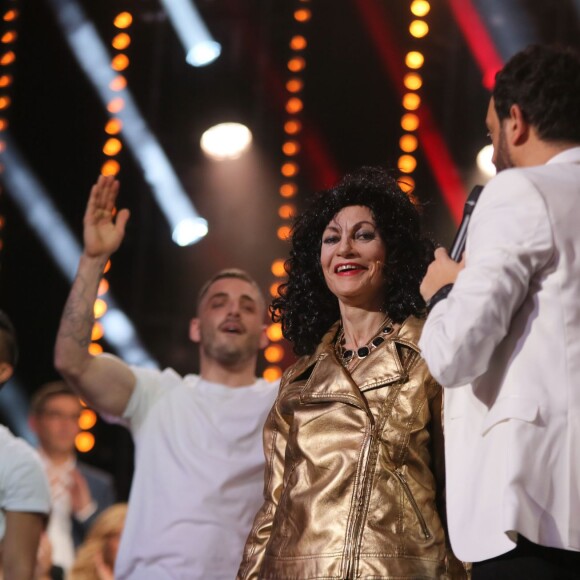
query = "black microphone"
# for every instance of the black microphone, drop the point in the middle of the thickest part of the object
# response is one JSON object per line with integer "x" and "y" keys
{"x": 458, "y": 245}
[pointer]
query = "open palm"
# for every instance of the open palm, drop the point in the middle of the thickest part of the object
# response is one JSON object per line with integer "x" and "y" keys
{"x": 103, "y": 231}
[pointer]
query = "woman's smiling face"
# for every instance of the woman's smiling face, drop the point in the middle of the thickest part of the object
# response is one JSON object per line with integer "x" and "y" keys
{"x": 352, "y": 257}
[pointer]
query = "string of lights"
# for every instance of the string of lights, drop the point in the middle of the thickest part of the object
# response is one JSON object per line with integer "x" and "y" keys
{"x": 412, "y": 81}
{"x": 290, "y": 168}
{"x": 8, "y": 38}
{"x": 112, "y": 147}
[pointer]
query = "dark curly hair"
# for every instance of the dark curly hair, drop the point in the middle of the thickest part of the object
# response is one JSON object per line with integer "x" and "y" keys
{"x": 545, "y": 82}
{"x": 305, "y": 306}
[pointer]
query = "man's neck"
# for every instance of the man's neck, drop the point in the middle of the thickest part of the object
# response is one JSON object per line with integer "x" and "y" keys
{"x": 539, "y": 152}
{"x": 242, "y": 375}
{"x": 57, "y": 458}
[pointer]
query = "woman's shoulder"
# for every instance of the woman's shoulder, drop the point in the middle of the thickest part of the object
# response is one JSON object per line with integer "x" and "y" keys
{"x": 410, "y": 331}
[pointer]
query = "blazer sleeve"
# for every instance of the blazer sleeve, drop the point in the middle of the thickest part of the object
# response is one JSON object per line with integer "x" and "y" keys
{"x": 509, "y": 242}
{"x": 276, "y": 432}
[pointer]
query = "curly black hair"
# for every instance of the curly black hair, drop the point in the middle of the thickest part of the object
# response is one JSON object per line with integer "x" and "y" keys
{"x": 305, "y": 306}
{"x": 545, "y": 82}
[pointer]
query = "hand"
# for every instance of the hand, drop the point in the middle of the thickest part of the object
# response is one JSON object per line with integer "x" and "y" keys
{"x": 103, "y": 234}
{"x": 80, "y": 493}
{"x": 103, "y": 571}
{"x": 443, "y": 270}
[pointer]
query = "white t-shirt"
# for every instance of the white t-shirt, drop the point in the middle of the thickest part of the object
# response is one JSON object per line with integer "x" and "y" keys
{"x": 23, "y": 485}
{"x": 199, "y": 471}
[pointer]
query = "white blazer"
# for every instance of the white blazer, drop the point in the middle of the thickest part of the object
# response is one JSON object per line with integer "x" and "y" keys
{"x": 506, "y": 345}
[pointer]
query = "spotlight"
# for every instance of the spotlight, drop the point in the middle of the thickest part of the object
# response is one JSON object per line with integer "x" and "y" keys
{"x": 203, "y": 53}
{"x": 189, "y": 230}
{"x": 201, "y": 49}
{"x": 484, "y": 162}
{"x": 226, "y": 141}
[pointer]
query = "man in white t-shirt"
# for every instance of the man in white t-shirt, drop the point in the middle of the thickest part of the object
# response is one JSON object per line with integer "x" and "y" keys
{"x": 199, "y": 461}
{"x": 24, "y": 493}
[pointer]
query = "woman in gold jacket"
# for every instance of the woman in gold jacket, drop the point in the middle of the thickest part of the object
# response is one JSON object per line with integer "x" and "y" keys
{"x": 353, "y": 444}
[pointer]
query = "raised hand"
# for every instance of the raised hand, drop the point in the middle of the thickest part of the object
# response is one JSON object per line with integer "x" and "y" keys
{"x": 103, "y": 231}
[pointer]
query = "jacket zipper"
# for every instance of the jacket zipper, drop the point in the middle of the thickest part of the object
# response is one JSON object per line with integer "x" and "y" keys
{"x": 359, "y": 505}
{"x": 402, "y": 480}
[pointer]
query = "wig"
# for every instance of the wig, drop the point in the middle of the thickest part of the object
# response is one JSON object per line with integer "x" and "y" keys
{"x": 305, "y": 306}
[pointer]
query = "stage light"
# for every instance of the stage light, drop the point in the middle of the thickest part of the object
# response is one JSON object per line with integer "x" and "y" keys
{"x": 10, "y": 15}
{"x": 110, "y": 167}
{"x": 120, "y": 62}
{"x": 4, "y": 102}
{"x": 203, "y": 53}
{"x": 3, "y": 124}
{"x": 410, "y": 122}
{"x": 226, "y": 141}
{"x": 97, "y": 333}
{"x": 103, "y": 287}
{"x": 100, "y": 308}
{"x": 95, "y": 349}
{"x": 84, "y": 441}
{"x": 288, "y": 190}
{"x": 406, "y": 183}
{"x": 413, "y": 81}
{"x": 484, "y": 161}
{"x": 420, "y": 8}
{"x": 272, "y": 373}
{"x": 287, "y": 211}
{"x": 121, "y": 41}
{"x": 296, "y": 64}
{"x": 292, "y": 127}
{"x": 294, "y": 85}
{"x": 278, "y": 268}
{"x": 411, "y": 101}
{"x": 274, "y": 332}
{"x": 414, "y": 59}
{"x": 118, "y": 83}
{"x": 274, "y": 289}
{"x": 302, "y": 15}
{"x": 274, "y": 353}
{"x": 294, "y": 105}
{"x": 123, "y": 20}
{"x": 283, "y": 233}
{"x": 115, "y": 105}
{"x": 289, "y": 169}
{"x": 112, "y": 146}
{"x": 5, "y": 81}
{"x": 92, "y": 56}
{"x": 189, "y": 231}
{"x": 113, "y": 126}
{"x": 407, "y": 163}
{"x": 298, "y": 42}
{"x": 419, "y": 28}
{"x": 291, "y": 148}
{"x": 7, "y": 58}
{"x": 88, "y": 419}
{"x": 200, "y": 47}
{"x": 408, "y": 143}
{"x": 9, "y": 37}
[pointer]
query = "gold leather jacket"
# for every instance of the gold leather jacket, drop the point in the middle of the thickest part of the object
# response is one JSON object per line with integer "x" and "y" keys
{"x": 350, "y": 487}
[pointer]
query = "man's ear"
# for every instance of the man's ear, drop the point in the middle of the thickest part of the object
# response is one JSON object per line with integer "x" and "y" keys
{"x": 194, "y": 330}
{"x": 264, "y": 340}
{"x": 519, "y": 128}
{"x": 6, "y": 371}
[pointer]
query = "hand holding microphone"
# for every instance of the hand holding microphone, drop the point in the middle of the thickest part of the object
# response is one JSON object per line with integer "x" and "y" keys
{"x": 443, "y": 271}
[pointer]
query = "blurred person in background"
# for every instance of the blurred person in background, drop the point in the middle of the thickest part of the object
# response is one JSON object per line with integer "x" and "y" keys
{"x": 79, "y": 491}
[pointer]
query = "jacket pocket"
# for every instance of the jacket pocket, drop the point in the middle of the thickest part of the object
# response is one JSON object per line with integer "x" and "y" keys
{"x": 411, "y": 499}
{"x": 508, "y": 408}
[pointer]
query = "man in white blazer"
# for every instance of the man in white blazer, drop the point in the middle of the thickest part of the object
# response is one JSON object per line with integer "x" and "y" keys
{"x": 503, "y": 335}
